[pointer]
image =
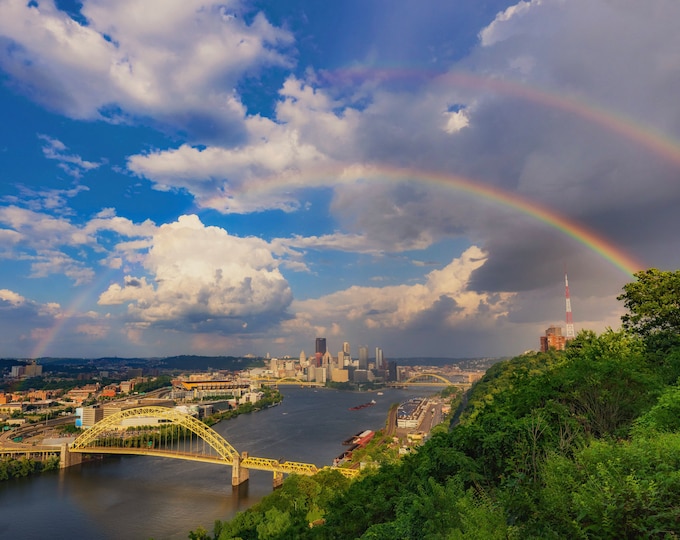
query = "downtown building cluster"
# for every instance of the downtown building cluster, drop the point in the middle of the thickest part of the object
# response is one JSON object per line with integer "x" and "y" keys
{"x": 322, "y": 366}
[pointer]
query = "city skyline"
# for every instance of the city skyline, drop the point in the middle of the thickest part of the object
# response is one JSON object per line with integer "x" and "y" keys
{"x": 239, "y": 178}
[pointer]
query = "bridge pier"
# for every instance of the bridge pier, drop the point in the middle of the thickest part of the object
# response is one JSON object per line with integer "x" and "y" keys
{"x": 68, "y": 458}
{"x": 239, "y": 474}
{"x": 278, "y": 479}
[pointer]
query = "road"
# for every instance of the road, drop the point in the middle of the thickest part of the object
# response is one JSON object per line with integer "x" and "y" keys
{"x": 31, "y": 430}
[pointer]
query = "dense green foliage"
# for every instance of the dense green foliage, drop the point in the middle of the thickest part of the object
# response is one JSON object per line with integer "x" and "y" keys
{"x": 583, "y": 443}
{"x": 17, "y": 468}
{"x": 653, "y": 303}
{"x": 153, "y": 384}
{"x": 41, "y": 383}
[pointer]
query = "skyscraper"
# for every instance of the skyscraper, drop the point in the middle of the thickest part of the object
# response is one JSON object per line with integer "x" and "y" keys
{"x": 363, "y": 357}
{"x": 320, "y": 350}
{"x": 392, "y": 370}
{"x": 379, "y": 362}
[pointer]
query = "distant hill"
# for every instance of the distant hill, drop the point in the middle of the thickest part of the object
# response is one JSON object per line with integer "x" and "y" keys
{"x": 171, "y": 362}
{"x": 232, "y": 363}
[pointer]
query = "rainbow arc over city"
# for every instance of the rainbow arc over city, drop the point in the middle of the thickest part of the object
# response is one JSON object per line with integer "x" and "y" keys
{"x": 660, "y": 144}
{"x": 476, "y": 189}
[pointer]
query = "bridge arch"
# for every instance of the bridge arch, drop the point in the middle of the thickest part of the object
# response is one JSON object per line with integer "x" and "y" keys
{"x": 290, "y": 379}
{"x": 225, "y": 453}
{"x": 223, "y": 449}
{"x": 421, "y": 376}
{"x": 286, "y": 380}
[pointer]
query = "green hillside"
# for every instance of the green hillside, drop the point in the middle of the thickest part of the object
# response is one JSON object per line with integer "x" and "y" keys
{"x": 583, "y": 443}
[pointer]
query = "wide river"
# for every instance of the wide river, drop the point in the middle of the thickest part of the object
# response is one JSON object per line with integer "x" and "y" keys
{"x": 138, "y": 497}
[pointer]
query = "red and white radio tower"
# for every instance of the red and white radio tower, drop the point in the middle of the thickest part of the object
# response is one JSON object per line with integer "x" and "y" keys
{"x": 570, "y": 321}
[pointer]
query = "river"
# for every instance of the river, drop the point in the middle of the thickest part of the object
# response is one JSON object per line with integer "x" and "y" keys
{"x": 139, "y": 497}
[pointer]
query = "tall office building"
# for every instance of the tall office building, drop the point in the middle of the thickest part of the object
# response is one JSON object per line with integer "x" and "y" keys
{"x": 363, "y": 357}
{"x": 379, "y": 361}
{"x": 320, "y": 350}
{"x": 345, "y": 348}
{"x": 392, "y": 370}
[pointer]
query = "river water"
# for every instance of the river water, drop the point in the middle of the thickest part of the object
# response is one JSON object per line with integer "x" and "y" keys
{"x": 140, "y": 497}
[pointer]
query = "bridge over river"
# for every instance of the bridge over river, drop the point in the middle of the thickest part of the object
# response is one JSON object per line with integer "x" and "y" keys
{"x": 429, "y": 379}
{"x": 165, "y": 432}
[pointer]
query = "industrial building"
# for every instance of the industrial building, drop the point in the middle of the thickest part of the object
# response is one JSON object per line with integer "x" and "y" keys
{"x": 410, "y": 413}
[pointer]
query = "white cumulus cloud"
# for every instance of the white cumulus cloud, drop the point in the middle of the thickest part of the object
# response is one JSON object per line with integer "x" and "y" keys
{"x": 401, "y": 307}
{"x": 204, "y": 278}
{"x": 175, "y": 62}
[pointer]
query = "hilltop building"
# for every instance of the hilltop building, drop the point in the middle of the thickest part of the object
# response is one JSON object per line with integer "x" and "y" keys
{"x": 553, "y": 339}
{"x": 32, "y": 369}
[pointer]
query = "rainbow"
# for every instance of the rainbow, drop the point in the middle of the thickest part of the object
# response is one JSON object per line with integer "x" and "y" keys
{"x": 72, "y": 312}
{"x": 661, "y": 144}
{"x": 51, "y": 333}
{"x": 479, "y": 190}
{"x": 467, "y": 186}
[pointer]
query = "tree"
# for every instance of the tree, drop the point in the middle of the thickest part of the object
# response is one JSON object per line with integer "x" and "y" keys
{"x": 653, "y": 302}
{"x": 613, "y": 489}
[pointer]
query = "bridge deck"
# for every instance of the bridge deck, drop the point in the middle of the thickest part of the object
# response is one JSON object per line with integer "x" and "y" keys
{"x": 262, "y": 464}
{"x": 100, "y": 438}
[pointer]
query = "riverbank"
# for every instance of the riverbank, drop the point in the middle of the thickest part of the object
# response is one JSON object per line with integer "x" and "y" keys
{"x": 20, "y": 468}
{"x": 270, "y": 399}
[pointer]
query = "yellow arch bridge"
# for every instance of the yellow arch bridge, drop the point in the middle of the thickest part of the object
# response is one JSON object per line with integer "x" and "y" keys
{"x": 429, "y": 379}
{"x": 164, "y": 432}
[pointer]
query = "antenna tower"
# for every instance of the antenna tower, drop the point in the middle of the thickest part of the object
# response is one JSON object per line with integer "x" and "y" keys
{"x": 570, "y": 321}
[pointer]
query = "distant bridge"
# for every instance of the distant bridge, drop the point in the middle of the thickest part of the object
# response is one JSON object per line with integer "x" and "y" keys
{"x": 429, "y": 380}
{"x": 273, "y": 381}
{"x": 180, "y": 436}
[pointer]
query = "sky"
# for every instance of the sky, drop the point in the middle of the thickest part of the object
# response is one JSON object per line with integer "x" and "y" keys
{"x": 241, "y": 177}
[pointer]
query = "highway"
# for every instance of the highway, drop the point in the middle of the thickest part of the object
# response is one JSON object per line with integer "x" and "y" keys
{"x": 32, "y": 430}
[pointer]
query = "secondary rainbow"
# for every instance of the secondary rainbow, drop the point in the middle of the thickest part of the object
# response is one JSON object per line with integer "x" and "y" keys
{"x": 661, "y": 144}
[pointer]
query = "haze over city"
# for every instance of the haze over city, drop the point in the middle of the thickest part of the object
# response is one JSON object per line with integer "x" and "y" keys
{"x": 231, "y": 178}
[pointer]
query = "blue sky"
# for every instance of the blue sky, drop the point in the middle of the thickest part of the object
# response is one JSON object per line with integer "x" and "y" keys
{"x": 195, "y": 177}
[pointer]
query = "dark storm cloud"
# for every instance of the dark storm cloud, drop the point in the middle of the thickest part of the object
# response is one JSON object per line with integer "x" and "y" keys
{"x": 579, "y": 142}
{"x": 435, "y": 317}
{"x": 396, "y": 217}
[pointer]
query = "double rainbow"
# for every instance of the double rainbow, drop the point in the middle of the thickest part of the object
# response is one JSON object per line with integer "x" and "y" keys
{"x": 656, "y": 142}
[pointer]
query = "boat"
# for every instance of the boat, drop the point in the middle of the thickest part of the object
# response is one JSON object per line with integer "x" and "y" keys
{"x": 362, "y": 406}
{"x": 380, "y": 393}
{"x": 351, "y": 439}
{"x": 358, "y": 440}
